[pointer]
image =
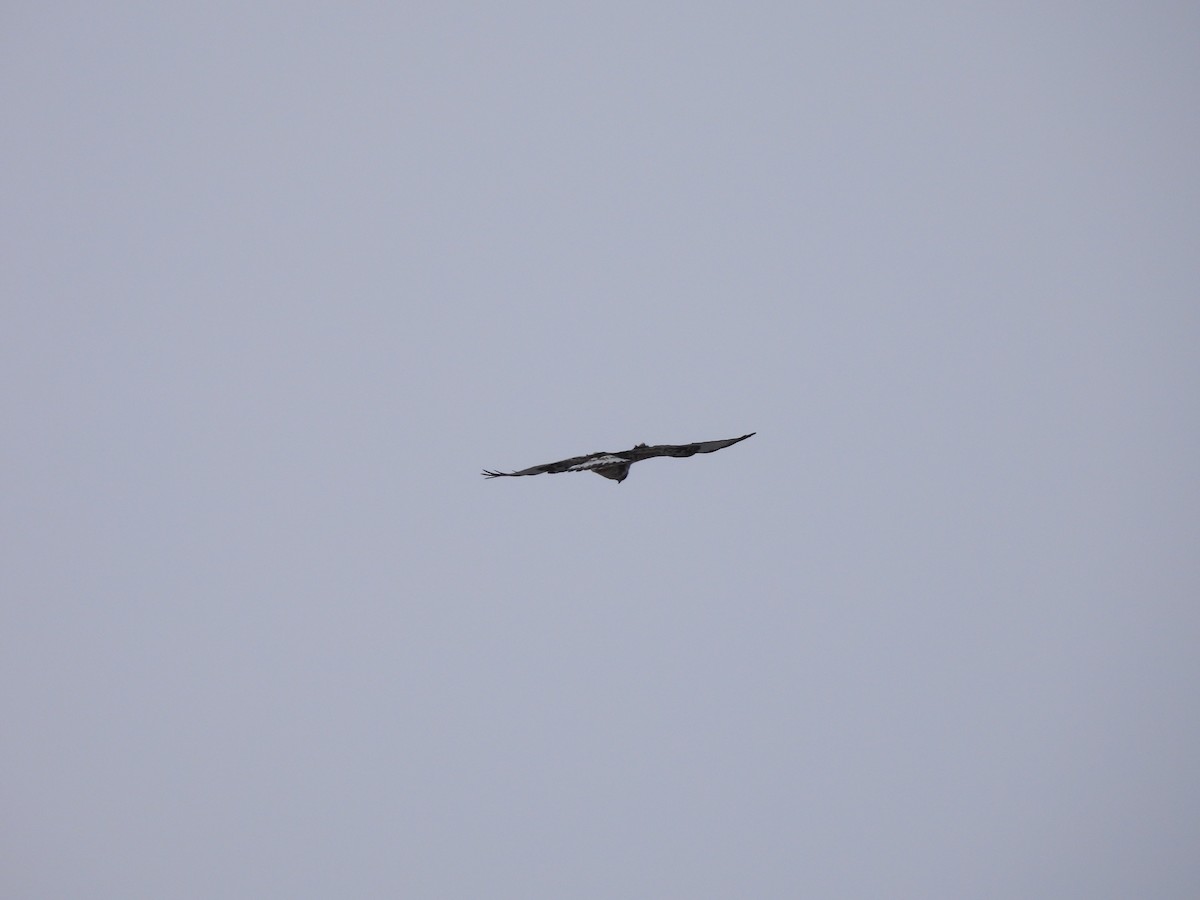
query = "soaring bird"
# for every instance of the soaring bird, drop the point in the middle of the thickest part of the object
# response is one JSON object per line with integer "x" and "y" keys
{"x": 616, "y": 465}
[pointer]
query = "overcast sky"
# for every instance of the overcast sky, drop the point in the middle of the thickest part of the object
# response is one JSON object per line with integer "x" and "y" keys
{"x": 278, "y": 281}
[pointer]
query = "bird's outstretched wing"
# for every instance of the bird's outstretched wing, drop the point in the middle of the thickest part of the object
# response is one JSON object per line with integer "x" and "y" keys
{"x": 574, "y": 464}
{"x": 641, "y": 451}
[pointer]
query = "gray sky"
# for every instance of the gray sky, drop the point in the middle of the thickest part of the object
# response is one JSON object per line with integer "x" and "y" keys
{"x": 278, "y": 282}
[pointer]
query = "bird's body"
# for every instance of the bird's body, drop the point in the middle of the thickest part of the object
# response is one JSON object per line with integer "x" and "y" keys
{"x": 616, "y": 465}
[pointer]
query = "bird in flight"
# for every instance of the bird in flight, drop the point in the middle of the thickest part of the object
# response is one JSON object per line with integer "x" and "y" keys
{"x": 616, "y": 465}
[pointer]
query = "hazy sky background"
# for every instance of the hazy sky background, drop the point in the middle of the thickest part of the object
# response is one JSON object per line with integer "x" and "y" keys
{"x": 278, "y": 280}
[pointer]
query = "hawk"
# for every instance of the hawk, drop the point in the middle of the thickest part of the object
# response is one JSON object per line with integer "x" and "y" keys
{"x": 616, "y": 465}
